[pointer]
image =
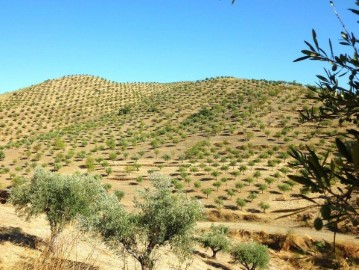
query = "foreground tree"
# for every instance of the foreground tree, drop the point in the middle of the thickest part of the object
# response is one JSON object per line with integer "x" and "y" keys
{"x": 62, "y": 198}
{"x": 335, "y": 176}
{"x": 216, "y": 239}
{"x": 161, "y": 218}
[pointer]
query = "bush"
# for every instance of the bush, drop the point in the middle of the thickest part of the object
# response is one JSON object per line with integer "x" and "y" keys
{"x": 2, "y": 154}
{"x": 251, "y": 255}
{"x": 216, "y": 239}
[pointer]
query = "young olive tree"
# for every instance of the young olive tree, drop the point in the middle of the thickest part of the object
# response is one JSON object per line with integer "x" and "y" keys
{"x": 251, "y": 255}
{"x": 161, "y": 218}
{"x": 62, "y": 198}
{"x": 216, "y": 239}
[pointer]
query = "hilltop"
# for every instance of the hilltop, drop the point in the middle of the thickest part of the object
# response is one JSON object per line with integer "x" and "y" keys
{"x": 220, "y": 139}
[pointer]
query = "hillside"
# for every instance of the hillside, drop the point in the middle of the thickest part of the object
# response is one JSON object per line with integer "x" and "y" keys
{"x": 221, "y": 139}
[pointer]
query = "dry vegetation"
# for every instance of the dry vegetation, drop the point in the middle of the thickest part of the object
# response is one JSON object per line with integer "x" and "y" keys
{"x": 223, "y": 140}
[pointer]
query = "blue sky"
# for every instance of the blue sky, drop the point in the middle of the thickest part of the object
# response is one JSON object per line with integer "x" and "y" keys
{"x": 163, "y": 41}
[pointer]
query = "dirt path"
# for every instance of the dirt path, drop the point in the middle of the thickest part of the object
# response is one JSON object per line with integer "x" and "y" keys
{"x": 283, "y": 228}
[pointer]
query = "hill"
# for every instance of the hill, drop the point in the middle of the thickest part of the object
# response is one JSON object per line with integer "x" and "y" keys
{"x": 221, "y": 139}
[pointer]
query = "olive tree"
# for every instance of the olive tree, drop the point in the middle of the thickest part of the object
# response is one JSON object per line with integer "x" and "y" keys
{"x": 62, "y": 198}
{"x": 335, "y": 175}
{"x": 161, "y": 218}
{"x": 2, "y": 154}
{"x": 251, "y": 255}
{"x": 216, "y": 239}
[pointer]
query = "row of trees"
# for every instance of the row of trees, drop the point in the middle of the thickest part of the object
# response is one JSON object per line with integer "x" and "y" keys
{"x": 161, "y": 217}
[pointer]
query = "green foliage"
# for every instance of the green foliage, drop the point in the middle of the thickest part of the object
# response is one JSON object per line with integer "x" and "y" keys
{"x": 161, "y": 218}
{"x": 59, "y": 144}
{"x": 108, "y": 170}
{"x": 125, "y": 110}
{"x": 90, "y": 164}
{"x": 240, "y": 203}
{"x": 119, "y": 194}
{"x": 264, "y": 206}
{"x": 335, "y": 178}
{"x": 207, "y": 191}
{"x": 216, "y": 239}
{"x": 251, "y": 255}
{"x": 2, "y": 155}
{"x": 62, "y": 198}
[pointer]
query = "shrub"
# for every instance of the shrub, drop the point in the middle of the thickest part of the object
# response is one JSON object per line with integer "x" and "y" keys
{"x": 216, "y": 239}
{"x": 251, "y": 255}
{"x": 2, "y": 154}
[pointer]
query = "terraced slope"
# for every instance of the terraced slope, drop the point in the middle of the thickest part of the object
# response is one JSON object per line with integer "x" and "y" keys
{"x": 65, "y": 101}
{"x": 221, "y": 139}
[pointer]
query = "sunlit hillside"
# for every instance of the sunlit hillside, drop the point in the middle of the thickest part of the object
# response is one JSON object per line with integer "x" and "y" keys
{"x": 222, "y": 140}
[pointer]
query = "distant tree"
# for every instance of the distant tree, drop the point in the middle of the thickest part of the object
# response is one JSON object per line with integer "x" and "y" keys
{"x": 112, "y": 155}
{"x": 108, "y": 170}
{"x": 217, "y": 184}
{"x": 218, "y": 201}
{"x": 216, "y": 239}
{"x": 197, "y": 184}
{"x": 160, "y": 219}
{"x": 124, "y": 110}
{"x": 269, "y": 180}
{"x": 243, "y": 168}
{"x": 257, "y": 174}
{"x": 62, "y": 198}
{"x": 59, "y": 144}
{"x": 239, "y": 186}
{"x": 284, "y": 187}
{"x": 231, "y": 192}
{"x": 252, "y": 196}
{"x": 119, "y": 194}
{"x": 264, "y": 206}
{"x": 262, "y": 187}
{"x": 240, "y": 203}
{"x": 90, "y": 164}
{"x": 139, "y": 179}
{"x": 207, "y": 191}
{"x": 2, "y": 155}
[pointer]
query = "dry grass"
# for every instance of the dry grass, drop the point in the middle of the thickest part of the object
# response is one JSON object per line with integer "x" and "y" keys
{"x": 64, "y": 256}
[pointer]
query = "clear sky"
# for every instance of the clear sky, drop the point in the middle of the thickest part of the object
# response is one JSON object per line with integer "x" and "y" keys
{"x": 163, "y": 41}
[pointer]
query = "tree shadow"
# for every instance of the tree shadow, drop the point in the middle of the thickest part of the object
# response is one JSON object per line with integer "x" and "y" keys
{"x": 217, "y": 265}
{"x": 205, "y": 179}
{"x": 4, "y": 195}
{"x": 254, "y": 211}
{"x": 202, "y": 254}
{"x": 16, "y": 236}
{"x": 275, "y": 192}
{"x": 231, "y": 207}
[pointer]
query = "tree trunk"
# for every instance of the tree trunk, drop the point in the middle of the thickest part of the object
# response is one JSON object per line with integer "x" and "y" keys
{"x": 146, "y": 264}
{"x": 55, "y": 231}
{"x": 214, "y": 255}
{"x": 145, "y": 267}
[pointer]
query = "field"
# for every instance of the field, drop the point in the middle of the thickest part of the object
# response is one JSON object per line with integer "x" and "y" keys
{"x": 222, "y": 140}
